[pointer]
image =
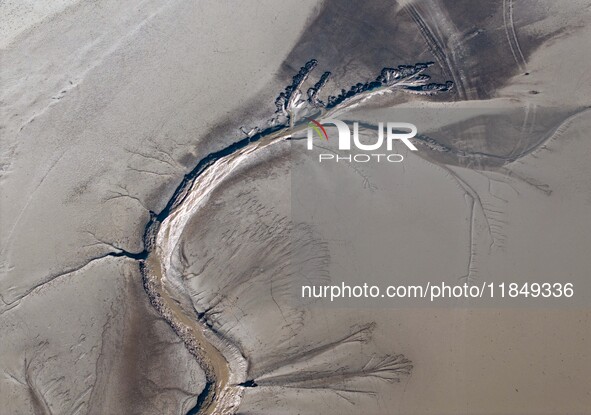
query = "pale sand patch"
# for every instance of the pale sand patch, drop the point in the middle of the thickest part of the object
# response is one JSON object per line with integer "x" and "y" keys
{"x": 96, "y": 121}
{"x": 19, "y": 16}
{"x": 105, "y": 106}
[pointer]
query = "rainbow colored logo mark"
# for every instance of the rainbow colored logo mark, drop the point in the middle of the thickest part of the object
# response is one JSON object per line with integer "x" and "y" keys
{"x": 318, "y": 128}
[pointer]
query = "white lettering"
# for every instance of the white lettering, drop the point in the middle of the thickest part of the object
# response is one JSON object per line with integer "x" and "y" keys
{"x": 404, "y": 137}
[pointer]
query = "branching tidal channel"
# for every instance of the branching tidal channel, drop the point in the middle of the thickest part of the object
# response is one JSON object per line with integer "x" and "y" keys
{"x": 224, "y": 365}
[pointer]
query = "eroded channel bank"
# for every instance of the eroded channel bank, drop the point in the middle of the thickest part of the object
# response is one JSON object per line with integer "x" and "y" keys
{"x": 224, "y": 365}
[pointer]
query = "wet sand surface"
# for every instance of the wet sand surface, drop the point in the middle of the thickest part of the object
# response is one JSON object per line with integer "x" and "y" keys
{"x": 106, "y": 110}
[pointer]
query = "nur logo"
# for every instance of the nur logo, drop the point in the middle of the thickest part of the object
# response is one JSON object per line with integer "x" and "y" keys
{"x": 319, "y": 128}
{"x": 400, "y": 131}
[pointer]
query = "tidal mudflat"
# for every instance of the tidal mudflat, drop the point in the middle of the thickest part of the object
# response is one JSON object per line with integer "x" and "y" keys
{"x": 159, "y": 208}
